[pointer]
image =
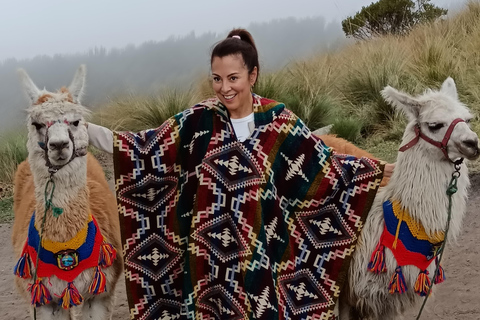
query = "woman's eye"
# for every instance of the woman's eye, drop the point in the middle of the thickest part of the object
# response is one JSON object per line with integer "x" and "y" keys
{"x": 75, "y": 123}
{"x": 37, "y": 125}
{"x": 216, "y": 79}
{"x": 435, "y": 126}
{"x": 233, "y": 78}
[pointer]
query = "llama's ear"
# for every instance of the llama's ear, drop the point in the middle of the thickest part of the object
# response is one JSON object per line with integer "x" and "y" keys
{"x": 29, "y": 87}
{"x": 78, "y": 84}
{"x": 402, "y": 102}
{"x": 449, "y": 87}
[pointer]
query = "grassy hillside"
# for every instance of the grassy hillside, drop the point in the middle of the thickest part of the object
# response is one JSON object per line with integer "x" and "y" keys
{"x": 342, "y": 87}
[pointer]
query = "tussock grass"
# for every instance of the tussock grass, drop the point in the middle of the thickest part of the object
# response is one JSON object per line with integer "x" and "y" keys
{"x": 135, "y": 113}
{"x": 13, "y": 150}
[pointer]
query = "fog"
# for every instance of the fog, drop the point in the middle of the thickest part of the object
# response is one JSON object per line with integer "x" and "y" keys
{"x": 146, "y": 68}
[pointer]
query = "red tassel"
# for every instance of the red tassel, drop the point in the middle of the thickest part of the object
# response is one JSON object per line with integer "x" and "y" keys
{"x": 70, "y": 296}
{"x": 377, "y": 261}
{"x": 397, "y": 282}
{"x": 440, "y": 276}
{"x": 23, "y": 267}
{"x": 40, "y": 293}
{"x": 422, "y": 285}
{"x": 107, "y": 255}
{"x": 99, "y": 282}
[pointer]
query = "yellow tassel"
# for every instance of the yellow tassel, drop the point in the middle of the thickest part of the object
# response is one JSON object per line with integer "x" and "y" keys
{"x": 400, "y": 219}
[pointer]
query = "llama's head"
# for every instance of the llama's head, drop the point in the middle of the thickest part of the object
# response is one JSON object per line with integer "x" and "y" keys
{"x": 438, "y": 119}
{"x": 56, "y": 125}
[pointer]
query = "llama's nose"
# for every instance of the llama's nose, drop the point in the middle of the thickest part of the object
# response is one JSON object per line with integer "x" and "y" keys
{"x": 58, "y": 144}
{"x": 471, "y": 143}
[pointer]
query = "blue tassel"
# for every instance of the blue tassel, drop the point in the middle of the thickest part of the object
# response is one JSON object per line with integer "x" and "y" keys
{"x": 397, "y": 282}
{"x": 23, "y": 267}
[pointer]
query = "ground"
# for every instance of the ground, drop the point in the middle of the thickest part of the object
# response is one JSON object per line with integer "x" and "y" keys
{"x": 456, "y": 298}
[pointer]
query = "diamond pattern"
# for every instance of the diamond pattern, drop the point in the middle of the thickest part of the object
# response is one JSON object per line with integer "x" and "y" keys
{"x": 223, "y": 238}
{"x": 222, "y": 304}
{"x": 150, "y": 193}
{"x": 326, "y": 227}
{"x": 233, "y": 166}
{"x": 154, "y": 256}
{"x": 302, "y": 292}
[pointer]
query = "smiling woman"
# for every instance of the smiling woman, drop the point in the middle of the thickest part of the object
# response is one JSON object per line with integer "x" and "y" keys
{"x": 228, "y": 207}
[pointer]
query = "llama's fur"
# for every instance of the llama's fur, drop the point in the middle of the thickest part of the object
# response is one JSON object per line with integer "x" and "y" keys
{"x": 419, "y": 182}
{"x": 80, "y": 189}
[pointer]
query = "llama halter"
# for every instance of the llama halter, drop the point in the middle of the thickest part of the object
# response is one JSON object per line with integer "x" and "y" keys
{"x": 441, "y": 145}
{"x": 80, "y": 152}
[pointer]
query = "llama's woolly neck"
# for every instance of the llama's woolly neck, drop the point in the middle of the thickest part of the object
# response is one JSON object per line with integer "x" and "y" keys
{"x": 420, "y": 184}
{"x": 70, "y": 194}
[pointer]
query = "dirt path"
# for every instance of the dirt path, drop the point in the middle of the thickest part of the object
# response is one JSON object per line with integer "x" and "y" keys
{"x": 456, "y": 298}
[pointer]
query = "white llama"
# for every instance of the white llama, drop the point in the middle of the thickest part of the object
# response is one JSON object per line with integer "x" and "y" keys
{"x": 411, "y": 227}
{"x": 66, "y": 229}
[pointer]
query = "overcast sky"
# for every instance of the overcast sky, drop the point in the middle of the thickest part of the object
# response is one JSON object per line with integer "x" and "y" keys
{"x": 29, "y": 28}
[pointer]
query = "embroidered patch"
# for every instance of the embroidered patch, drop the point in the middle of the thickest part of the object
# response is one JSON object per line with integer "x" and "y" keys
{"x": 67, "y": 259}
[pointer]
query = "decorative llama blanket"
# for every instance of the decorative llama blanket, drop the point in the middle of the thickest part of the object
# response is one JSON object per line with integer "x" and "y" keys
{"x": 214, "y": 228}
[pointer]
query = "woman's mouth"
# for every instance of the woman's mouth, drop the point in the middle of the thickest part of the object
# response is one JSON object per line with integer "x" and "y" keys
{"x": 229, "y": 97}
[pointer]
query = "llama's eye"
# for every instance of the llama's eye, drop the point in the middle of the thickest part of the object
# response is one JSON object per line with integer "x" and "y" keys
{"x": 434, "y": 126}
{"x": 75, "y": 123}
{"x": 38, "y": 126}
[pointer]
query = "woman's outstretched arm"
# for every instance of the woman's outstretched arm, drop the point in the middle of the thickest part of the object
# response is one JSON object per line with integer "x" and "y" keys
{"x": 100, "y": 137}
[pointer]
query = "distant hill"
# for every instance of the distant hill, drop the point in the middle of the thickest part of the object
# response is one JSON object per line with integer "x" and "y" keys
{"x": 177, "y": 61}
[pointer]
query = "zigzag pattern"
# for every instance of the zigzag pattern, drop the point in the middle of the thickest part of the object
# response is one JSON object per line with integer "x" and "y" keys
{"x": 214, "y": 228}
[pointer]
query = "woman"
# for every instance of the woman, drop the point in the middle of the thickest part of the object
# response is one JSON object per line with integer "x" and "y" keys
{"x": 233, "y": 209}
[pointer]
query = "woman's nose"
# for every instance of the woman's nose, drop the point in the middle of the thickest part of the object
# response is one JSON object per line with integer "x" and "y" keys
{"x": 225, "y": 87}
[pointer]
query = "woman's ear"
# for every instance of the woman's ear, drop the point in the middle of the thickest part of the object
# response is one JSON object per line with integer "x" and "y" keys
{"x": 253, "y": 76}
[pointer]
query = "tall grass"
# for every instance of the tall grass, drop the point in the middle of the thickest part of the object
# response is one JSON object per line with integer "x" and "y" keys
{"x": 13, "y": 150}
{"x": 137, "y": 113}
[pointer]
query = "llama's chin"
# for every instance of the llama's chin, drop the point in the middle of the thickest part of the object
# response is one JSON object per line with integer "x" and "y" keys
{"x": 60, "y": 159}
{"x": 469, "y": 153}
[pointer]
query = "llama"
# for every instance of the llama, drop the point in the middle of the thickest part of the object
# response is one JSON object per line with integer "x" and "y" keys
{"x": 417, "y": 190}
{"x": 61, "y": 197}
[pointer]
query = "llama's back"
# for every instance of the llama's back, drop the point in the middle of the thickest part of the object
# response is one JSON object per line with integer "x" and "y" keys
{"x": 344, "y": 147}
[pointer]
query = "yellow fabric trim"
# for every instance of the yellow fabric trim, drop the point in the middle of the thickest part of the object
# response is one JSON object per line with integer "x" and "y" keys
{"x": 73, "y": 243}
{"x": 416, "y": 228}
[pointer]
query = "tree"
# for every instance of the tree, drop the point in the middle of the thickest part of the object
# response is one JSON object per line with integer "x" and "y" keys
{"x": 390, "y": 17}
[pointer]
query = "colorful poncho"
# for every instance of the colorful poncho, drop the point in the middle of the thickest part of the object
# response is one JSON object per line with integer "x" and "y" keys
{"x": 214, "y": 228}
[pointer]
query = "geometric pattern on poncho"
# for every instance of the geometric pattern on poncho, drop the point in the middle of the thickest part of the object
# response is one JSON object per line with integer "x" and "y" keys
{"x": 154, "y": 257}
{"x": 302, "y": 292}
{"x": 214, "y": 228}
{"x": 150, "y": 193}
{"x": 237, "y": 171}
{"x": 222, "y": 237}
{"x": 326, "y": 227}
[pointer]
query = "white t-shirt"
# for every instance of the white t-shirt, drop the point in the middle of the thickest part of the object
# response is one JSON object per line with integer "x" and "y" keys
{"x": 241, "y": 126}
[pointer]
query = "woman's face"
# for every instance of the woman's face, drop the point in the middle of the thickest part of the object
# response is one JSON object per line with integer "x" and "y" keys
{"x": 232, "y": 83}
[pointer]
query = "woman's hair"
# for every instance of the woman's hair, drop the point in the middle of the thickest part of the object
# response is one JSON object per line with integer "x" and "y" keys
{"x": 238, "y": 41}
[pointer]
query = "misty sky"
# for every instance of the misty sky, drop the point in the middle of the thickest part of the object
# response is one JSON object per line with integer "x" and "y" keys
{"x": 30, "y": 28}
